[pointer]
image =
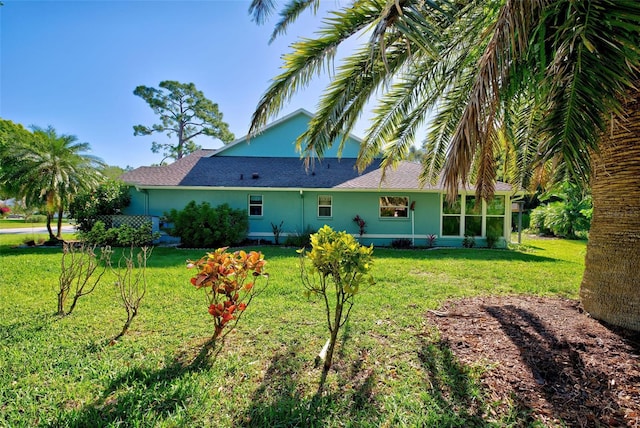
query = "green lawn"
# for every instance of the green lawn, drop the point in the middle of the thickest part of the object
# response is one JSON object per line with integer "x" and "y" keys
{"x": 20, "y": 223}
{"x": 389, "y": 368}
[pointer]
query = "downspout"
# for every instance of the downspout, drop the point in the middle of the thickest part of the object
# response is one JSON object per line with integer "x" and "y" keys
{"x": 301, "y": 211}
{"x": 413, "y": 213}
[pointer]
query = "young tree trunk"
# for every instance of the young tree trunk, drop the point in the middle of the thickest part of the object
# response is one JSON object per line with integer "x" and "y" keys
{"x": 62, "y": 296}
{"x": 610, "y": 289}
{"x": 127, "y": 324}
{"x": 334, "y": 338}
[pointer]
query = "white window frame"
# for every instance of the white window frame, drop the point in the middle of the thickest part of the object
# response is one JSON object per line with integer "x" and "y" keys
{"x": 330, "y": 206}
{"x": 463, "y": 215}
{"x": 404, "y": 208}
{"x": 251, "y": 205}
{"x": 459, "y": 215}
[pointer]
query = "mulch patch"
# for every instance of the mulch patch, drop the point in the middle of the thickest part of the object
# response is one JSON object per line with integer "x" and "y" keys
{"x": 548, "y": 357}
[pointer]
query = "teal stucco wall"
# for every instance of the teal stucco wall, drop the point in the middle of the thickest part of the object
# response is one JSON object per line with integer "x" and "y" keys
{"x": 297, "y": 210}
{"x": 280, "y": 140}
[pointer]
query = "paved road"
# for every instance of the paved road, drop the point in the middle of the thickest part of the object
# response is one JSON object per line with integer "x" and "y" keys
{"x": 36, "y": 229}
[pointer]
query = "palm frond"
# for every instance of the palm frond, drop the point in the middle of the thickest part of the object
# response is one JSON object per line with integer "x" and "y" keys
{"x": 290, "y": 14}
{"x": 261, "y": 10}
{"x": 356, "y": 81}
{"x": 596, "y": 60}
{"x": 506, "y": 39}
{"x": 309, "y": 57}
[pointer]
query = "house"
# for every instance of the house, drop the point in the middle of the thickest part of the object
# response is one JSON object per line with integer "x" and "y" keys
{"x": 266, "y": 177}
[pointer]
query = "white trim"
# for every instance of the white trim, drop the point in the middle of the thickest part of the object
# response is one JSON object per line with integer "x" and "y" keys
{"x": 506, "y": 216}
{"x": 255, "y": 205}
{"x": 330, "y": 206}
{"x": 380, "y": 206}
{"x": 381, "y": 191}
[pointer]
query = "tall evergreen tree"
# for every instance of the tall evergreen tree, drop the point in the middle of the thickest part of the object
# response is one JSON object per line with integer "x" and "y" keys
{"x": 184, "y": 112}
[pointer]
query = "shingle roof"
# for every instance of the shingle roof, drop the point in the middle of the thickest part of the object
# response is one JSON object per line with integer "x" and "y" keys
{"x": 406, "y": 177}
{"x": 202, "y": 169}
{"x": 199, "y": 169}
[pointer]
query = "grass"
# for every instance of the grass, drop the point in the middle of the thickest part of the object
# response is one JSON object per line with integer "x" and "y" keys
{"x": 20, "y": 223}
{"x": 390, "y": 369}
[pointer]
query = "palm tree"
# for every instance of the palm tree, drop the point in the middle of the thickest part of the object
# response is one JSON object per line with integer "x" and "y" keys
{"x": 49, "y": 172}
{"x": 548, "y": 84}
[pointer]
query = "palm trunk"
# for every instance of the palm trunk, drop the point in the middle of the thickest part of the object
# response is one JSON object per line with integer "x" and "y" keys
{"x": 52, "y": 237}
{"x": 59, "y": 225}
{"x": 610, "y": 289}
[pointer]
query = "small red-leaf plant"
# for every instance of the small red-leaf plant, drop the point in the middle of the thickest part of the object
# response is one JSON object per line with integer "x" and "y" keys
{"x": 230, "y": 281}
{"x": 362, "y": 225}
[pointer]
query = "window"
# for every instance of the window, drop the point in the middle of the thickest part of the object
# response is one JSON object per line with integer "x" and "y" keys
{"x": 451, "y": 214}
{"x": 473, "y": 216}
{"x": 324, "y": 206}
{"x": 469, "y": 216}
{"x": 495, "y": 216}
{"x": 394, "y": 206}
{"x": 255, "y": 205}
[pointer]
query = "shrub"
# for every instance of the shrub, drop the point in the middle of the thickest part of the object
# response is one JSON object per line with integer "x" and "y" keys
{"x": 78, "y": 266}
{"x": 339, "y": 267}
{"x": 201, "y": 226}
{"x": 229, "y": 281}
{"x": 468, "y": 241}
{"x": 108, "y": 198}
{"x": 401, "y": 243}
{"x": 560, "y": 219}
{"x": 431, "y": 240}
{"x": 362, "y": 225}
{"x": 492, "y": 239}
{"x": 536, "y": 220}
{"x": 35, "y": 218}
{"x": 299, "y": 240}
{"x": 122, "y": 236}
{"x": 277, "y": 230}
{"x": 131, "y": 283}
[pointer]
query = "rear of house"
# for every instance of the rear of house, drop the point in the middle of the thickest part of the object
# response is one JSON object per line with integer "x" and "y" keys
{"x": 266, "y": 177}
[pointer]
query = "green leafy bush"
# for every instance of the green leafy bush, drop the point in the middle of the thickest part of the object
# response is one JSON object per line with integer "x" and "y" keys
{"x": 35, "y": 218}
{"x": 201, "y": 226}
{"x": 122, "y": 236}
{"x": 567, "y": 212}
{"x": 339, "y": 268}
{"x": 108, "y": 198}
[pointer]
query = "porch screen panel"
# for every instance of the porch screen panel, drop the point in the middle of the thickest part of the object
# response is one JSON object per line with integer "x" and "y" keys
{"x": 495, "y": 216}
{"x": 451, "y": 217}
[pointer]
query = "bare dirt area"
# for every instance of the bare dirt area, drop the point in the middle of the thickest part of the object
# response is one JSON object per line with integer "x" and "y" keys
{"x": 548, "y": 358}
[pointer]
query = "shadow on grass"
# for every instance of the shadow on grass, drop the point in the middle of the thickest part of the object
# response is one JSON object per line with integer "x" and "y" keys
{"x": 282, "y": 399}
{"x": 25, "y": 329}
{"x": 145, "y": 396}
{"x": 458, "y": 393}
{"x": 472, "y": 254}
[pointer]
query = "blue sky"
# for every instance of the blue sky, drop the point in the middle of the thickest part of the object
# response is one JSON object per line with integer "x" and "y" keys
{"x": 74, "y": 65}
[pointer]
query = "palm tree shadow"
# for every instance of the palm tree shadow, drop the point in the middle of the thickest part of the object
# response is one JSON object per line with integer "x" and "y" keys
{"x": 558, "y": 368}
{"x": 140, "y": 392}
{"x": 282, "y": 398}
{"x": 455, "y": 391}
